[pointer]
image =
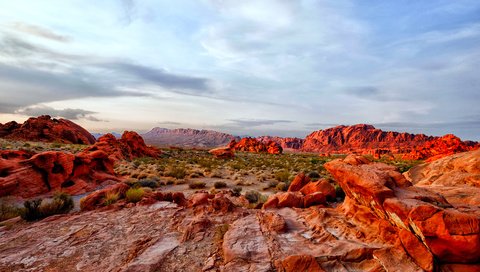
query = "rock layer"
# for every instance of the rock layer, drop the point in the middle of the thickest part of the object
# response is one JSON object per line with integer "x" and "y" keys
{"x": 253, "y": 145}
{"x": 46, "y": 129}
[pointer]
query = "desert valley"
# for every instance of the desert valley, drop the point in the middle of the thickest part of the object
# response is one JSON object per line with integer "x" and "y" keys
{"x": 348, "y": 198}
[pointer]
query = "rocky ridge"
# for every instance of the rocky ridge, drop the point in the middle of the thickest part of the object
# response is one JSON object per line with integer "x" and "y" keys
{"x": 187, "y": 137}
{"x": 28, "y": 174}
{"x": 46, "y": 129}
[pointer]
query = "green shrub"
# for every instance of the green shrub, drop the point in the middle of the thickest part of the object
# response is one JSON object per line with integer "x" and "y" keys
{"x": 41, "y": 208}
{"x": 197, "y": 185}
{"x": 134, "y": 195}
{"x": 9, "y": 211}
{"x": 282, "y": 175}
{"x": 178, "y": 172}
{"x": 282, "y": 186}
{"x": 252, "y": 196}
{"x": 219, "y": 184}
{"x": 110, "y": 198}
{"x": 236, "y": 191}
{"x": 314, "y": 175}
{"x": 151, "y": 183}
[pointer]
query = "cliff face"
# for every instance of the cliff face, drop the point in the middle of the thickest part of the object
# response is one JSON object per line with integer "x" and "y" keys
{"x": 187, "y": 137}
{"x": 362, "y": 139}
{"x": 285, "y": 143}
{"x": 46, "y": 129}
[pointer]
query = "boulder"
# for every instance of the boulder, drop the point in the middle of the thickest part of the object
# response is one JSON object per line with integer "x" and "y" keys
{"x": 249, "y": 144}
{"x": 298, "y": 182}
{"x": 222, "y": 153}
{"x": 322, "y": 186}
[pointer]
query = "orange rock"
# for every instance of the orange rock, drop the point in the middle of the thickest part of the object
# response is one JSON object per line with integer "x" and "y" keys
{"x": 298, "y": 182}
{"x": 296, "y": 263}
{"x": 420, "y": 254}
{"x": 290, "y": 199}
{"x": 317, "y": 198}
{"x": 253, "y": 145}
{"x": 322, "y": 186}
{"x": 46, "y": 129}
{"x": 222, "y": 153}
{"x": 97, "y": 198}
{"x": 438, "y": 148}
{"x": 198, "y": 199}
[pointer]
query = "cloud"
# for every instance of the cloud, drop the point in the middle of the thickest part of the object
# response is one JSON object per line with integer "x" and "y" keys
{"x": 256, "y": 122}
{"x": 39, "y": 32}
{"x": 159, "y": 77}
{"x": 169, "y": 123}
{"x": 68, "y": 113}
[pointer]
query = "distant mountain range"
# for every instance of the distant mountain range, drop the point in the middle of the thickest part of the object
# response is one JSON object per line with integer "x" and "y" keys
{"x": 187, "y": 137}
{"x": 98, "y": 135}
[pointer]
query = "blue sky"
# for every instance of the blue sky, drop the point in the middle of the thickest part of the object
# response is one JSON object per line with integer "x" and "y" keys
{"x": 280, "y": 67}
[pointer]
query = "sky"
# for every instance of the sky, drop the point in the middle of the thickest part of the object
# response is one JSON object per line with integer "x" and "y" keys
{"x": 250, "y": 67}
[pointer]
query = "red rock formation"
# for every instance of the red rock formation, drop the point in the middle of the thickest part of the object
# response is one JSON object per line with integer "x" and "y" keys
{"x": 367, "y": 140}
{"x": 46, "y": 129}
{"x": 130, "y": 146}
{"x": 50, "y": 171}
{"x": 298, "y": 182}
{"x": 285, "y": 143}
{"x": 450, "y": 234}
{"x": 253, "y": 145}
{"x": 441, "y": 147}
{"x": 222, "y": 153}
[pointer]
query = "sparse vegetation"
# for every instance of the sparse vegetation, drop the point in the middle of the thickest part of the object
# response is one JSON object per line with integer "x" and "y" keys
{"x": 134, "y": 195}
{"x": 219, "y": 184}
{"x": 176, "y": 171}
{"x": 40, "y": 208}
{"x": 8, "y": 211}
{"x": 197, "y": 185}
{"x": 110, "y": 198}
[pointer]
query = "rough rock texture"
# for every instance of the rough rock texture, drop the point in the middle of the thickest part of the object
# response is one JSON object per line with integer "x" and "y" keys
{"x": 451, "y": 234}
{"x": 46, "y": 129}
{"x": 27, "y": 176}
{"x": 187, "y": 137}
{"x": 285, "y": 143}
{"x": 367, "y": 140}
{"x": 253, "y": 145}
{"x": 52, "y": 171}
{"x": 441, "y": 147}
{"x": 455, "y": 170}
{"x": 222, "y": 153}
{"x": 129, "y": 146}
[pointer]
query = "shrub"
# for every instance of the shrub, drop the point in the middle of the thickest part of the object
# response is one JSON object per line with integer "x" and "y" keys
{"x": 134, "y": 195}
{"x": 252, "y": 196}
{"x": 40, "y": 208}
{"x": 282, "y": 186}
{"x": 314, "y": 175}
{"x": 151, "y": 183}
{"x": 219, "y": 184}
{"x": 220, "y": 231}
{"x": 282, "y": 175}
{"x": 236, "y": 191}
{"x": 197, "y": 185}
{"x": 272, "y": 184}
{"x": 178, "y": 172}
{"x": 110, "y": 198}
{"x": 9, "y": 211}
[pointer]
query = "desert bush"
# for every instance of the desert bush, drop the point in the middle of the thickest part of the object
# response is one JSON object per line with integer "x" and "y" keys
{"x": 282, "y": 175}
{"x": 313, "y": 175}
{"x": 41, "y": 208}
{"x": 110, "y": 198}
{"x": 176, "y": 171}
{"x": 282, "y": 186}
{"x": 151, "y": 183}
{"x": 236, "y": 191}
{"x": 272, "y": 184}
{"x": 219, "y": 184}
{"x": 197, "y": 185}
{"x": 9, "y": 211}
{"x": 134, "y": 194}
{"x": 252, "y": 196}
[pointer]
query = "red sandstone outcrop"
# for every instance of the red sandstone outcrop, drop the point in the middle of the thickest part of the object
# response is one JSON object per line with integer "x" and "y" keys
{"x": 222, "y": 153}
{"x": 129, "y": 146}
{"x": 428, "y": 225}
{"x": 454, "y": 171}
{"x": 46, "y": 129}
{"x": 253, "y": 145}
{"x": 441, "y": 147}
{"x": 367, "y": 140}
{"x": 27, "y": 175}
{"x": 285, "y": 143}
